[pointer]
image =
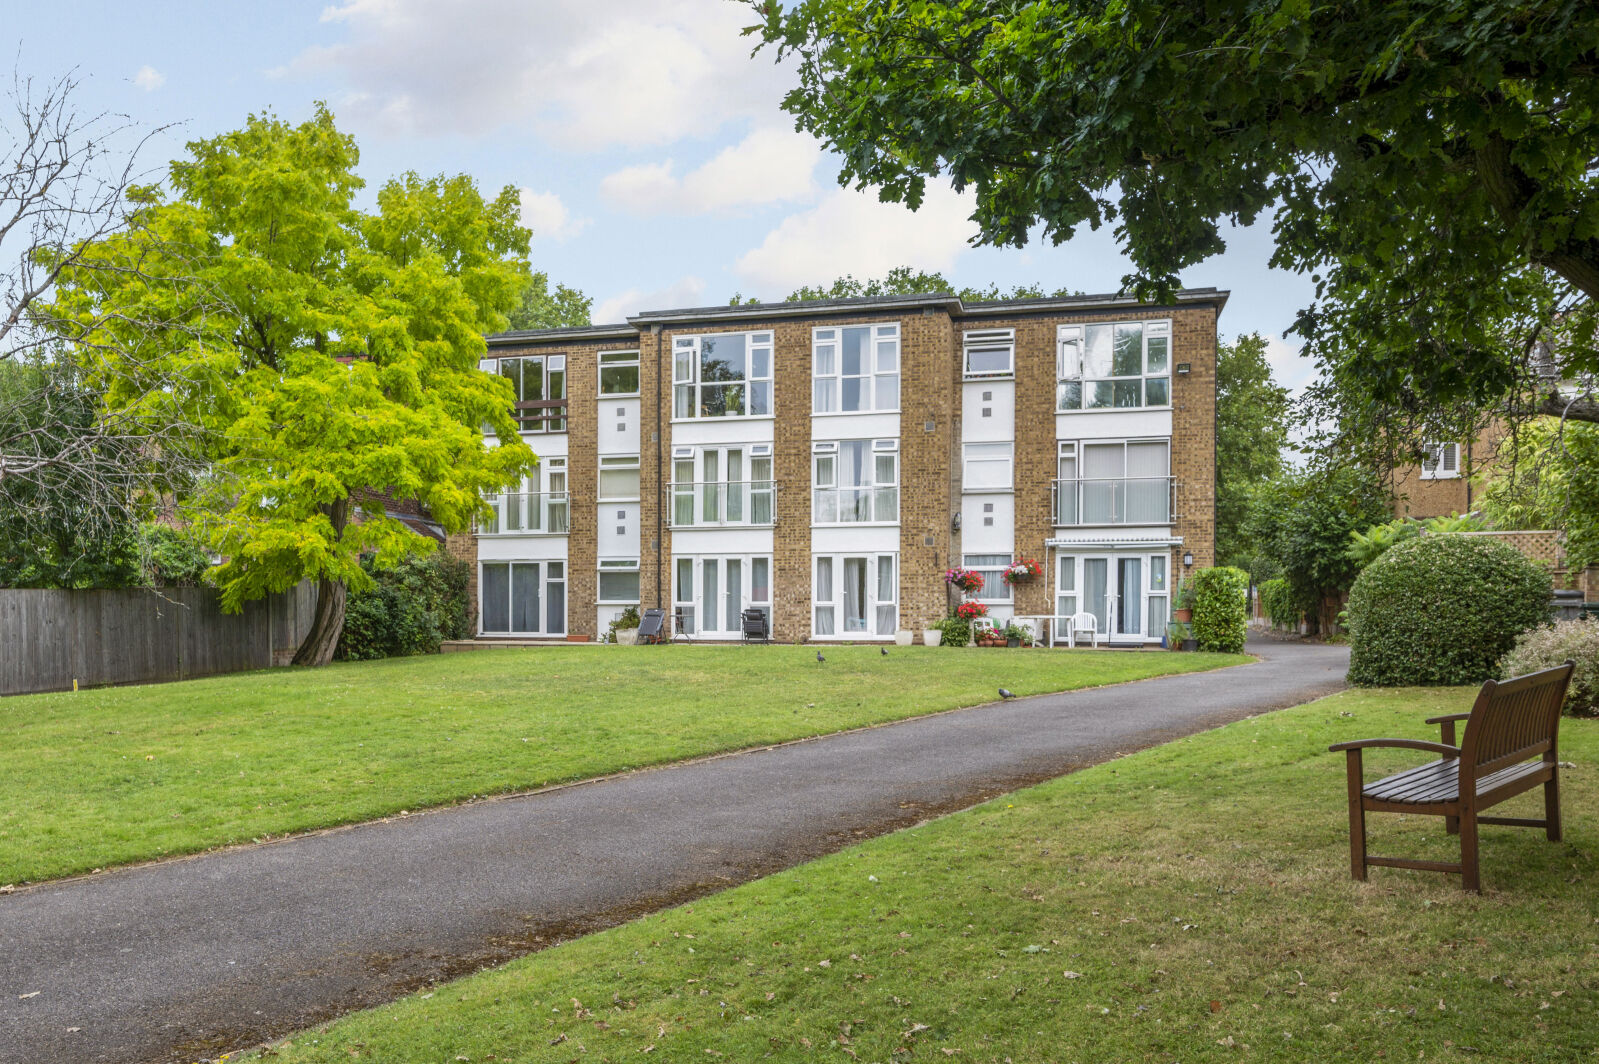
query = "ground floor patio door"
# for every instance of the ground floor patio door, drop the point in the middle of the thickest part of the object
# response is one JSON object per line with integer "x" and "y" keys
{"x": 523, "y": 598}
{"x": 1126, "y": 593}
{"x": 711, "y": 594}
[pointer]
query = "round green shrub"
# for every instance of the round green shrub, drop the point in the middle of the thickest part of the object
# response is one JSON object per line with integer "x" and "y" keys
{"x": 409, "y": 609}
{"x": 957, "y": 633}
{"x": 1440, "y": 610}
{"x": 1547, "y": 646}
{"x": 1278, "y": 600}
{"x": 1221, "y": 609}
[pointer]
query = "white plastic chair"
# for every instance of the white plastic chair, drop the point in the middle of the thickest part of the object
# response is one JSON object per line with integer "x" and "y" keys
{"x": 1082, "y": 622}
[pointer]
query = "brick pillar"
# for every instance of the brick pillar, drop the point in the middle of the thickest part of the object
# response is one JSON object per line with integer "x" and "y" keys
{"x": 582, "y": 482}
{"x": 791, "y": 466}
{"x": 929, "y": 464}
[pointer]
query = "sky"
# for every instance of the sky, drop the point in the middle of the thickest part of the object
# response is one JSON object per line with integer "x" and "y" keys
{"x": 654, "y": 163}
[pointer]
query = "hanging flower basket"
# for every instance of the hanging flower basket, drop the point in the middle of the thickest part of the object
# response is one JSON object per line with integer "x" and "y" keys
{"x": 968, "y": 611}
{"x": 966, "y": 580}
{"x": 1024, "y": 571}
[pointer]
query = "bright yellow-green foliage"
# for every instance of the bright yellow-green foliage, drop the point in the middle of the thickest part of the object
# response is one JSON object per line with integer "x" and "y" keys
{"x": 324, "y": 351}
{"x": 122, "y": 774}
{"x": 1189, "y": 903}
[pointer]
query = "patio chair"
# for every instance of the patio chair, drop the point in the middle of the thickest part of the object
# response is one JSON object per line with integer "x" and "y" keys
{"x": 1082, "y": 621}
{"x": 756, "y": 627}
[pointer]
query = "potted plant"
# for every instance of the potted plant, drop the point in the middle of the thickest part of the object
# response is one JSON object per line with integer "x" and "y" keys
{"x": 967, "y": 581}
{"x": 1183, "y": 601}
{"x": 1022, "y": 571}
{"x": 970, "y": 611}
{"x": 932, "y": 637}
{"x": 624, "y": 629}
{"x": 903, "y": 637}
{"x": 1016, "y": 635}
{"x": 1180, "y": 636}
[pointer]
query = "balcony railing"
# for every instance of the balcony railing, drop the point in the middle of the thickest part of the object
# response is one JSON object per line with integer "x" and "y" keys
{"x": 1114, "y": 501}
{"x": 701, "y": 504}
{"x": 541, "y": 415}
{"x": 852, "y": 506}
{"x": 524, "y": 513}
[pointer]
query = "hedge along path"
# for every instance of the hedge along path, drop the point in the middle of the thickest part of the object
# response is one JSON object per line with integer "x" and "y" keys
{"x": 1221, "y": 608}
{"x": 1441, "y": 610}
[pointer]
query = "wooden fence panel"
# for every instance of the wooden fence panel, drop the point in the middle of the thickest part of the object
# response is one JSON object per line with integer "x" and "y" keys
{"x": 49, "y": 639}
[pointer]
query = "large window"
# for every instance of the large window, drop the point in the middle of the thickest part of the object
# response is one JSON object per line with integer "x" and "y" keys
{"x": 855, "y": 368}
{"x": 619, "y": 480}
{"x": 986, "y": 467}
{"x": 1440, "y": 461}
{"x": 1113, "y": 482}
{"x": 1126, "y": 594}
{"x": 989, "y": 353}
{"x": 1119, "y": 365}
{"x": 991, "y": 567}
{"x": 531, "y": 510}
{"x": 539, "y": 382}
{"x": 618, "y": 373}
{"x": 523, "y": 598}
{"x": 854, "y": 595}
{"x": 722, "y": 485}
{"x": 855, "y": 482}
{"x": 710, "y": 594}
{"x": 722, "y": 375}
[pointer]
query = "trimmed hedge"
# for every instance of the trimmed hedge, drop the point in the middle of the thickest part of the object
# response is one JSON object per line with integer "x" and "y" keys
{"x": 1546, "y": 647}
{"x": 1221, "y": 609}
{"x": 1442, "y": 610}
{"x": 412, "y": 607}
{"x": 1277, "y": 599}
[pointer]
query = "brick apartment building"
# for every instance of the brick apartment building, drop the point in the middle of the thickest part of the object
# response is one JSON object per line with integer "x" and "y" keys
{"x": 827, "y": 461}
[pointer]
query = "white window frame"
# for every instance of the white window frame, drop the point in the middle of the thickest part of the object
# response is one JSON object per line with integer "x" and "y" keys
{"x": 827, "y": 369}
{"x": 968, "y": 461}
{"x": 995, "y": 589}
{"x": 612, "y": 462}
{"x": 835, "y": 603}
{"x": 988, "y": 340}
{"x": 831, "y": 449}
{"x": 545, "y": 581}
{"x": 1440, "y": 461}
{"x": 614, "y": 565}
{"x": 747, "y": 590}
{"x": 686, "y": 380}
{"x": 1073, "y": 382}
{"x": 548, "y": 364}
{"x": 631, "y": 360}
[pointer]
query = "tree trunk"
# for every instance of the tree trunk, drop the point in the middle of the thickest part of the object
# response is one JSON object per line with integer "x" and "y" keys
{"x": 328, "y": 622}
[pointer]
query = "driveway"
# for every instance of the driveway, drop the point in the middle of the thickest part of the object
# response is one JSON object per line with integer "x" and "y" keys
{"x": 195, "y": 957}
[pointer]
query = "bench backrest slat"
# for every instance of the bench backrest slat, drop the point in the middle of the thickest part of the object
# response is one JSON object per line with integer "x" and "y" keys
{"x": 1514, "y": 720}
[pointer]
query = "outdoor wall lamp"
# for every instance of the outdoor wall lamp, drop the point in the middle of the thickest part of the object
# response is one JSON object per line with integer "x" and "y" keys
{"x": 955, "y": 522}
{"x": 1188, "y": 560}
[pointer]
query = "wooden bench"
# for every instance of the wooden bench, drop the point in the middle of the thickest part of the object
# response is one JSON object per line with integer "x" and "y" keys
{"x": 1512, "y": 723}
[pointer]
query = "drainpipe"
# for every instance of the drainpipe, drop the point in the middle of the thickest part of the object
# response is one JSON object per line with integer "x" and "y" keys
{"x": 660, "y": 444}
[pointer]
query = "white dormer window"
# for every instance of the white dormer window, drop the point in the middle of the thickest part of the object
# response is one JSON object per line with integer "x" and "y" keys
{"x": 1440, "y": 461}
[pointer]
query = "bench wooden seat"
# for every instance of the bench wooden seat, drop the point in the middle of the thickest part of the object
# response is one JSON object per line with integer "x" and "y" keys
{"x": 1511, "y": 745}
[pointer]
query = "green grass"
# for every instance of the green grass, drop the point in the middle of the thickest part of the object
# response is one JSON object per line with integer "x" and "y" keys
{"x": 108, "y": 776}
{"x": 1189, "y": 903}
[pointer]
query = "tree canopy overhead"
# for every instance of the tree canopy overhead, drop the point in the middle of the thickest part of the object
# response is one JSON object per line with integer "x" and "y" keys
{"x": 1432, "y": 162}
{"x": 330, "y": 354}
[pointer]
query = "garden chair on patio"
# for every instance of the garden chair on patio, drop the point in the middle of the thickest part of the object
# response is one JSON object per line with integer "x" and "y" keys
{"x": 649, "y": 627}
{"x": 1079, "y": 623}
{"x": 1511, "y": 745}
{"x": 756, "y": 627}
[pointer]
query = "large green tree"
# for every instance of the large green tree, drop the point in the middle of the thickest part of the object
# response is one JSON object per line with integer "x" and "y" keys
{"x": 1547, "y": 476}
{"x": 907, "y": 281}
{"x": 330, "y": 353}
{"x": 1431, "y": 162}
{"x": 1251, "y": 432}
{"x": 538, "y": 307}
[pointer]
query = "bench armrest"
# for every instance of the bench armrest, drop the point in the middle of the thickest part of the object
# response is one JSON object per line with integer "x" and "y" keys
{"x": 1404, "y": 744}
{"x": 1448, "y": 717}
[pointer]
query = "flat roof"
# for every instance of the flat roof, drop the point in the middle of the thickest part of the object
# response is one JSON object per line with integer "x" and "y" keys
{"x": 813, "y": 307}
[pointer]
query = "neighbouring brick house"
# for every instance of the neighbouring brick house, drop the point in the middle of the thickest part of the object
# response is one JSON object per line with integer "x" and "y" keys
{"x": 826, "y": 462}
{"x": 1446, "y": 481}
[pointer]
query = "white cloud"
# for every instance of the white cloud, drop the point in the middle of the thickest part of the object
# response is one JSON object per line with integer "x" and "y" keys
{"x": 1289, "y": 367}
{"x": 586, "y": 74}
{"x": 770, "y": 165}
{"x": 547, "y": 216}
{"x": 853, "y": 232}
{"x": 684, "y": 292}
{"x": 149, "y": 78}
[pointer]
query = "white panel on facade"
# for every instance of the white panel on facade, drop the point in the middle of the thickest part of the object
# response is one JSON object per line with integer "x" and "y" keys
{"x": 521, "y": 548}
{"x": 618, "y": 529}
{"x": 721, "y": 541}
{"x": 988, "y": 411}
{"x": 619, "y": 428}
{"x": 988, "y": 523}
{"x": 546, "y": 445}
{"x": 855, "y": 539}
{"x": 1112, "y": 424}
{"x": 701, "y": 432}
{"x": 854, "y": 426}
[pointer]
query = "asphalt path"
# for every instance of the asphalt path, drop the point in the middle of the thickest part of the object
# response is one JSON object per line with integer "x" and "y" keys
{"x": 187, "y": 959}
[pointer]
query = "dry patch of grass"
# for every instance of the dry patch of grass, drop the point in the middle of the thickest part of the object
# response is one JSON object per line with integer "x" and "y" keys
{"x": 1188, "y": 903}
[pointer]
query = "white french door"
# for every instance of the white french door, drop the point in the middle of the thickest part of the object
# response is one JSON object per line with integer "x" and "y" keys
{"x": 711, "y": 594}
{"x": 1125, "y": 593}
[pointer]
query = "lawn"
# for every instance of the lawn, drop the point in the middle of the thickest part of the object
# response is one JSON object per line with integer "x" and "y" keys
{"x": 102, "y": 777}
{"x": 1188, "y": 903}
